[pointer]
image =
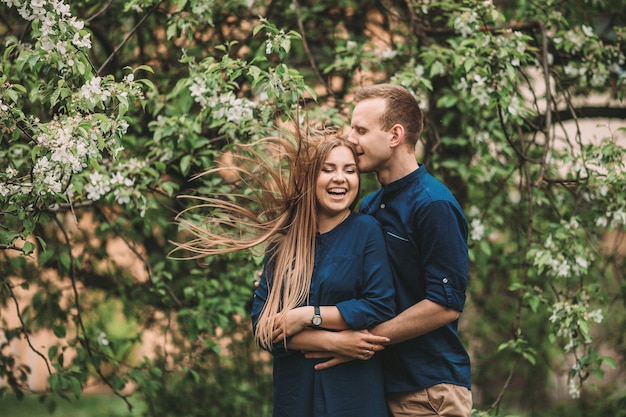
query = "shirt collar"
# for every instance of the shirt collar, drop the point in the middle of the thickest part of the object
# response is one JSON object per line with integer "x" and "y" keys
{"x": 403, "y": 182}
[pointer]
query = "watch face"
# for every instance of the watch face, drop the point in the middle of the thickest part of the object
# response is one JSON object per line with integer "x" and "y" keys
{"x": 317, "y": 320}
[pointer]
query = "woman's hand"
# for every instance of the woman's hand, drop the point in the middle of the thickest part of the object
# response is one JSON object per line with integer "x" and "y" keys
{"x": 359, "y": 344}
{"x": 296, "y": 320}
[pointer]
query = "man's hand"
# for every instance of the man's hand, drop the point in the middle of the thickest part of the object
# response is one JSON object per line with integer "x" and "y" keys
{"x": 334, "y": 360}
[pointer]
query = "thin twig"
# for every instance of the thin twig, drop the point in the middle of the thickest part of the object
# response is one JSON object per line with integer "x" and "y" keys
{"x": 496, "y": 403}
{"x": 24, "y": 330}
{"x": 546, "y": 77}
{"x": 100, "y": 12}
{"x": 127, "y": 37}
{"x": 308, "y": 51}
{"x": 81, "y": 325}
{"x": 145, "y": 262}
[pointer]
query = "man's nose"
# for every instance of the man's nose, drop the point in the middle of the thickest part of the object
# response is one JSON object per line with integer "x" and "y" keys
{"x": 352, "y": 138}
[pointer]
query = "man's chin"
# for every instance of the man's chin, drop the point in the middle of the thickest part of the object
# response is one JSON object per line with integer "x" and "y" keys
{"x": 364, "y": 168}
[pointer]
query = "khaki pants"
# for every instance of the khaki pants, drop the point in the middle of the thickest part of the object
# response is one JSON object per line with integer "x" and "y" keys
{"x": 439, "y": 400}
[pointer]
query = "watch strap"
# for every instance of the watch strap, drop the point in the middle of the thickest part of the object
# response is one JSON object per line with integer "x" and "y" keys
{"x": 316, "y": 320}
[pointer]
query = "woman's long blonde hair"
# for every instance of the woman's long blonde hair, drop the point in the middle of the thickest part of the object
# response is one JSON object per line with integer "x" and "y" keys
{"x": 276, "y": 206}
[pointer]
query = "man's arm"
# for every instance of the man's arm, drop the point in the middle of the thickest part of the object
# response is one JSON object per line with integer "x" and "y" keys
{"x": 421, "y": 318}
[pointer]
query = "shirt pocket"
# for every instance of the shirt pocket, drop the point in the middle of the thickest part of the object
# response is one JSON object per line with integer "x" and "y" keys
{"x": 401, "y": 251}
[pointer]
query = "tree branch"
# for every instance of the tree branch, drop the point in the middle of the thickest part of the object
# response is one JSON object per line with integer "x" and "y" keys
{"x": 127, "y": 37}
{"x": 85, "y": 341}
{"x": 308, "y": 51}
{"x": 9, "y": 286}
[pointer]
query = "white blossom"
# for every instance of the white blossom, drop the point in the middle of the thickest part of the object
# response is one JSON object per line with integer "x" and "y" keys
{"x": 618, "y": 218}
{"x": 93, "y": 92}
{"x": 482, "y": 136}
{"x": 102, "y": 339}
{"x": 98, "y": 186}
{"x": 602, "y": 221}
{"x": 11, "y": 172}
{"x": 582, "y": 262}
{"x": 81, "y": 41}
{"x": 569, "y": 346}
{"x": 514, "y": 106}
{"x": 4, "y": 189}
{"x": 596, "y": 316}
{"x": 466, "y": 22}
{"x": 477, "y": 230}
{"x": 515, "y": 196}
{"x": 387, "y": 53}
{"x": 473, "y": 211}
{"x": 563, "y": 269}
{"x": 574, "y": 389}
{"x": 598, "y": 78}
{"x": 587, "y": 30}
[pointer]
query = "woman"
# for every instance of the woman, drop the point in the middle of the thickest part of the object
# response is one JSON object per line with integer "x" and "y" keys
{"x": 325, "y": 268}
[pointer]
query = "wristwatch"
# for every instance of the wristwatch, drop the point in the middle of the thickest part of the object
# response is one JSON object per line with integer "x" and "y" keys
{"x": 316, "y": 321}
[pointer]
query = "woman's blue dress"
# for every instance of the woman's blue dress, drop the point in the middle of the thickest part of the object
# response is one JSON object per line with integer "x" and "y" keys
{"x": 352, "y": 272}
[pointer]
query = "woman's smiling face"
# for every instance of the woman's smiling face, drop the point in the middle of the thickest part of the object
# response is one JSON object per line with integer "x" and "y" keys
{"x": 337, "y": 183}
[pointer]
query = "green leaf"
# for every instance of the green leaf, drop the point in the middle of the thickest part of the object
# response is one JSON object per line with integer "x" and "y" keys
{"x": 28, "y": 248}
{"x": 65, "y": 261}
{"x": 534, "y": 303}
{"x": 59, "y": 331}
{"x": 530, "y": 358}
{"x": 75, "y": 386}
{"x": 185, "y": 164}
{"x": 7, "y": 237}
{"x": 53, "y": 351}
{"x": 118, "y": 383}
{"x": 610, "y": 362}
{"x": 123, "y": 101}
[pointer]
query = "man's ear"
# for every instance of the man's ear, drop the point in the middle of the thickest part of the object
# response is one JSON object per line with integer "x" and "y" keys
{"x": 397, "y": 135}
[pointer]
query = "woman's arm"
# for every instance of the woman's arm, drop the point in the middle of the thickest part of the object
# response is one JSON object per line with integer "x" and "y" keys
{"x": 353, "y": 344}
{"x": 299, "y": 319}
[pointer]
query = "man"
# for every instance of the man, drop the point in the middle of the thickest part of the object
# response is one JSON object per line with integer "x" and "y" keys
{"x": 427, "y": 369}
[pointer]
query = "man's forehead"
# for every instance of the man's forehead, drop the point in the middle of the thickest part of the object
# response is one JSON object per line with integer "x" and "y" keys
{"x": 372, "y": 103}
{"x": 367, "y": 112}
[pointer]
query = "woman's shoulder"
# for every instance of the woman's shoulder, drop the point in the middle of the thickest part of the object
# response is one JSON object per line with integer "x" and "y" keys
{"x": 364, "y": 220}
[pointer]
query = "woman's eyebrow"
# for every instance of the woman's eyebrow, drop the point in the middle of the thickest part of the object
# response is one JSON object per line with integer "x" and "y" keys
{"x": 340, "y": 163}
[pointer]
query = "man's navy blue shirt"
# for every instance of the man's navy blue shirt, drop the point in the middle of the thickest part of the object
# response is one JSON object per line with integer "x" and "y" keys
{"x": 426, "y": 235}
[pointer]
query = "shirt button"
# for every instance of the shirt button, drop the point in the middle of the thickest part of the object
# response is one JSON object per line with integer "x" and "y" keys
{"x": 445, "y": 280}
{"x": 382, "y": 205}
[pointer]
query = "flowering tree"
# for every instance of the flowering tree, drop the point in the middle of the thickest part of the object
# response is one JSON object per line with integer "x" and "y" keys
{"x": 109, "y": 111}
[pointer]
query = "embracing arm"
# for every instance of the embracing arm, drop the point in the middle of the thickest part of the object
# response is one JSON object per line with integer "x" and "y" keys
{"x": 443, "y": 252}
{"x": 352, "y": 344}
{"x": 415, "y": 321}
{"x": 421, "y": 318}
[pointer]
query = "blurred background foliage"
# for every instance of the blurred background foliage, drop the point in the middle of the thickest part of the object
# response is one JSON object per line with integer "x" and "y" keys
{"x": 150, "y": 93}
